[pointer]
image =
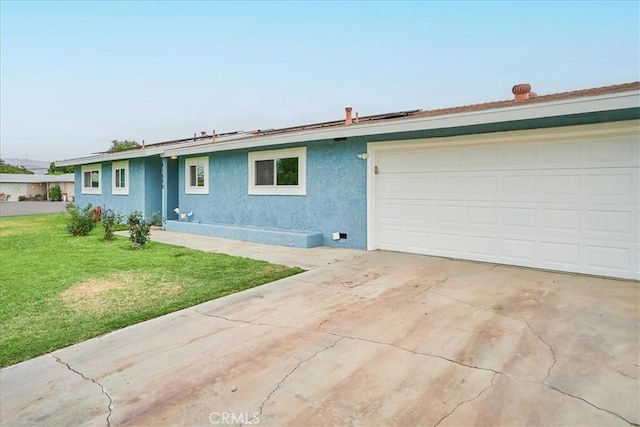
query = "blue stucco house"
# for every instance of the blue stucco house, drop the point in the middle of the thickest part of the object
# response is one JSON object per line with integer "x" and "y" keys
{"x": 541, "y": 181}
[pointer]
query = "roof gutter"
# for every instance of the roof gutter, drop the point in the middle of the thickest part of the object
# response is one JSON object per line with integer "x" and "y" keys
{"x": 609, "y": 102}
{"x": 121, "y": 155}
{"x": 618, "y": 101}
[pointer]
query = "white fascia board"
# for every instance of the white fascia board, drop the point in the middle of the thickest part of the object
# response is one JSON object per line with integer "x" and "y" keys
{"x": 31, "y": 178}
{"x": 98, "y": 158}
{"x": 122, "y": 155}
{"x": 607, "y": 102}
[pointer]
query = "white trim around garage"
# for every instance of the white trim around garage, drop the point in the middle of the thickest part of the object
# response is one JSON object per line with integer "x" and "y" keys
{"x": 608, "y": 175}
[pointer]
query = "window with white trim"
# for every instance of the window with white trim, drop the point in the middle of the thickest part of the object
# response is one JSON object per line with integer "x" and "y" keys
{"x": 278, "y": 172}
{"x": 120, "y": 178}
{"x": 91, "y": 178}
{"x": 196, "y": 175}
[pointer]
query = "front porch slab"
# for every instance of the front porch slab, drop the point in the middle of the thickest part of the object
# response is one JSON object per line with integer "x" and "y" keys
{"x": 270, "y": 236}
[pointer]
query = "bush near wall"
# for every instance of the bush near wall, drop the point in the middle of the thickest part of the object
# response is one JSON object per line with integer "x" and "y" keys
{"x": 55, "y": 194}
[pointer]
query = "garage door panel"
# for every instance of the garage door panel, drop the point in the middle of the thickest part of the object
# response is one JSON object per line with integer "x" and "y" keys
{"x": 560, "y": 154}
{"x": 481, "y": 185}
{"x": 482, "y": 215}
{"x": 447, "y": 243}
{"x": 604, "y": 258}
{"x": 560, "y": 253}
{"x": 449, "y": 184}
{"x": 616, "y": 222}
{"x": 518, "y": 250}
{"x": 545, "y": 207}
{"x": 558, "y": 219}
{"x": 412, "y": 215}
{"x": 611, "y": 185}
{"x": 563, "y": 185}
{"x": 447, "y": 214}
{"x": 522, "y": 155}
{"x": 406, "y": 186}
{"x": 611, "y": 153}
{"x": 521, "y": 186}
{"x": 518, "y": 218}
{"x": 446, "y": 159}
{"x": 482, "y": 246}
{"x": 485, "y": 156}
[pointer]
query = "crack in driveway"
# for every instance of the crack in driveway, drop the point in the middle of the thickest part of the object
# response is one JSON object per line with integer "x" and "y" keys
{"x": 493, "y": 377}
{"x": 495, "y": 372}
{"x": 552, "y": 387}
{"x": 277, "y": 387}
{"x": 351, "y": 337}
{"x": 553, "y": 353}
{"x": 102, "y": 388}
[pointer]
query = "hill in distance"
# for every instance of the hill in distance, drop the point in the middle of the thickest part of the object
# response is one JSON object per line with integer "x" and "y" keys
{"x": 36, "y": 166}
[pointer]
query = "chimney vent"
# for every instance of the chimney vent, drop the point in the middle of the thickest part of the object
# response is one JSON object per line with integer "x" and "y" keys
{"x": 357, "y": 117}
{"x": 521, "y": 91}
{"x": 348, "y": 120}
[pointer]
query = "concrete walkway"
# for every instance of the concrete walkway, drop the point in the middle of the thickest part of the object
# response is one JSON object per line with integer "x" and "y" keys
{"x": 376, "y": 338}
{"x": 295, "y": 257}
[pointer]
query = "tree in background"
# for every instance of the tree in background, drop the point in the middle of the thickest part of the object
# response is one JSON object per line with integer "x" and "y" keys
{"x": 6, "y": 168}
{"x": 59, "y": 170}
{"x": 122, "y": 145}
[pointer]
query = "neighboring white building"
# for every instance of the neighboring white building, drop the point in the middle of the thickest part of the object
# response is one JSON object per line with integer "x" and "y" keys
{"x": 13, "y": 185}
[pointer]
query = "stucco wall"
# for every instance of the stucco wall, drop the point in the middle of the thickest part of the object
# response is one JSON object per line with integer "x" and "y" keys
{"x": 15, "y": 190}
{"x": 144, "y": 188}
{"x": 336, "y": 199}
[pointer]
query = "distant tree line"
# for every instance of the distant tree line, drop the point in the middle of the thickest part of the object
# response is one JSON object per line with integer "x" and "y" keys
{"x": 59, "y": 170}
{"x": 7, "y": 168}
{"x": 122, "y": 145}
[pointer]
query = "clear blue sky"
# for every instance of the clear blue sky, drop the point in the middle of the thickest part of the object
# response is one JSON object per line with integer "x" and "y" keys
{"x": 76, "y": 75}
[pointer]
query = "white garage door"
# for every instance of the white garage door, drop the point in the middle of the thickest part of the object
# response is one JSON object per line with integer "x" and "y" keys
{"x": 569, "y": 205}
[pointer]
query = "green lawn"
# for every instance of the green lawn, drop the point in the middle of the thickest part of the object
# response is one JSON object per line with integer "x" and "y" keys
{"x": 57, "y": 290}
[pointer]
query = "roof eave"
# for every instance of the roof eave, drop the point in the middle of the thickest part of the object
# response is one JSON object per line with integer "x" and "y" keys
{"x": 608, "y": 102}
{"x": 122, "y": 155}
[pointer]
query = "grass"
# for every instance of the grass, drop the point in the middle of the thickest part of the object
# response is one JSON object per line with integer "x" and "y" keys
{"x": 57, "y": 290}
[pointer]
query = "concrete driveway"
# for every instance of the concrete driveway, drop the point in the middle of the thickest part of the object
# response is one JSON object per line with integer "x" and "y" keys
{"x": 377, "y": 339}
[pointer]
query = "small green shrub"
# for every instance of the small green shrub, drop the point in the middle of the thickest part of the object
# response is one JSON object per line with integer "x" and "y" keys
{"x": 22, "y": 198}
{"x": 55, "y": 194}
{"x": 110, "y": 221}
{"x": 139, "y": 230}
{"x": 156, "y": 219}
{"x": 81, "y": 220}
{"x": 38, "y": 197}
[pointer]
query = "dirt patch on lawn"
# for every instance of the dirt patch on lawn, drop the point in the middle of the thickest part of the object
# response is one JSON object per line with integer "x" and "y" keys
{"x": 120, "y": 292}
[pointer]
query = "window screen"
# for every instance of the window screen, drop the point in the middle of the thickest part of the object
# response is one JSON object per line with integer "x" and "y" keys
{"x": 264, "y": 172}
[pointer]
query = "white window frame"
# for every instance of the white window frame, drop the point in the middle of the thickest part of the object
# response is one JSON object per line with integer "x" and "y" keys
{"x": 120, "y": 191}
{"x": 90, "y": 169}
{"x": 196, "y": 161}
{"x": 295, "y": 190}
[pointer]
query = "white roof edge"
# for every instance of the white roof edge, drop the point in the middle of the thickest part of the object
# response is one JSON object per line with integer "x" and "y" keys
{"x": 616, "y": 101}
{"x": 120, "y": 155}
{"x": 32, "y": 178}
